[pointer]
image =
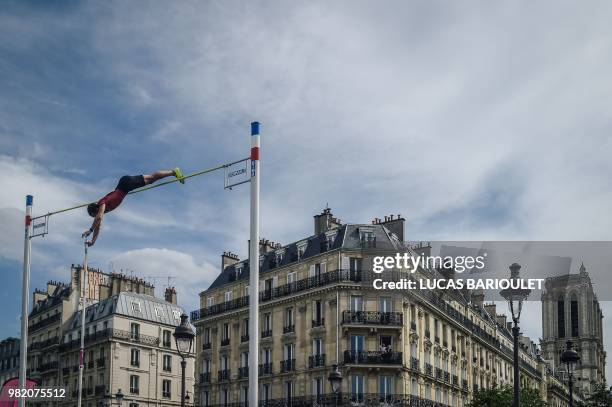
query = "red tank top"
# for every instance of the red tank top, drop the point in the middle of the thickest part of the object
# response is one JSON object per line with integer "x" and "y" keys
{"x": 112, "y": 200}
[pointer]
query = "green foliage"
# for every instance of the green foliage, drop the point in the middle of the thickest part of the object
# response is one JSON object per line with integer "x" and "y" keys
{"x": 502, "y": 397}
{"x": 601, "y": 396}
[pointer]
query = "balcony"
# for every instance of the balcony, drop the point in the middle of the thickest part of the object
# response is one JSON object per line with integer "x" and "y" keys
{"x": 318, "y": 322}
{"x": 166, "y": 394}
{"x": 447, "y": 377}
{"x": 438, "y": 373}
{"x": 316, "y": 361}
{"x": 414, "y": 364}
{"x": 101, "y": 362}
{"x": 266, "y": 334}
{"x": 322, "y": 280}
{"x": 89, "y": 391}
{"x": 45, "y": 367}
{"x": 204, "y": 377}
{"x": 244, "y": 338}
{"x": 428, "y": 369}
{"x": 372, "y": 357}
{"x": 134, "y": 390}
{"x": 110, "y": 333}
{"x": 206, "y": 346}
{"x": 289, "y": 329}
{"x": 166, "y": 344}
{"x": 224, "y": 375}
{"x": 455, "y": 380}
{"x": 65, "y": 371}
{"x": 372, "y": 318}
{"x": 265, "y": 369}
{"x": 243, "y": 372}
{"x": 90, "y": 364}
{"x": 464, "y": 385}
{"x": 100, "y": 390}
{"x": 75, "y": 368}
{"x": 225, "y": 342}
{"x": 44, "y": 323}
{"x": 287, "y": 365}
{"x": 413, "y": 326}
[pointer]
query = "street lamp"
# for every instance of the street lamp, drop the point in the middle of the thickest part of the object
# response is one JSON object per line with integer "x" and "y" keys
{"x": 335, "y": 380}
{"x": 119, "y": 397}
{"x": 515, "y": 298}
{"x": 570, "y": 357}
{"x": 183, "y": 335}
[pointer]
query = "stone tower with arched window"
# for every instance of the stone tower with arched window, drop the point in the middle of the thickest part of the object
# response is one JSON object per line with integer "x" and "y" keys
{"x": 571, "y": 312}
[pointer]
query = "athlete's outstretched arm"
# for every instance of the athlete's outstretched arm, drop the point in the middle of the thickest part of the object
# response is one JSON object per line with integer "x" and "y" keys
{"x": 96, "y": 225}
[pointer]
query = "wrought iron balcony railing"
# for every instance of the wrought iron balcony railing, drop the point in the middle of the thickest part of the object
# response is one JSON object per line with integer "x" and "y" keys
{"x": 372, "y": 357}
{"x": 281, "y": 291}
{"x": 372, "y": 318}
{"x": 244, "y": 338}
{"x": 225, "y": 342}
{"x": 414, "y": 364}
{"x": 265, "y": 369}
{"x": 287, "y": 365}
{"x": 318, "y": 322}
{"x": 266, "y": 333}
{"x": 243, "y": 372}
{"x": 204, "y": 377}
{"x": 206, "y": 346}
{"x": 316, "y": 361}
{"x": 224, "y": 375}
{"x": 289, "y": 329}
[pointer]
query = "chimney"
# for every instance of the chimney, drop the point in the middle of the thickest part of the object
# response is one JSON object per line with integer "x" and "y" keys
{"x": 491, "y": 309}
{"x": 325, "y": 221}
{"x": 170, "y": 295}
{"x": 478, "y": 298}
{"x": 52, "y": 286}
{"x": 266, "y": 246}
{"x": 501, "y": 319}
{"x": 227, "y": 259}
{"x": 39, "y": 296}
{"x": 395, "y": 225}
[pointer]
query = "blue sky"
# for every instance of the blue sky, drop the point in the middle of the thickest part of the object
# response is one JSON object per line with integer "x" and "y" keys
{"x": 473, "y": 120}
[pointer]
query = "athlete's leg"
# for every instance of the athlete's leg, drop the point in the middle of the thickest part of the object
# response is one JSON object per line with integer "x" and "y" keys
{"x": 157, "y": 175}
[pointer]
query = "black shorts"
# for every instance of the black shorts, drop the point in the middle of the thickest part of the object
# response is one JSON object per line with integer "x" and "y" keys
{"x": 129, "y": 183}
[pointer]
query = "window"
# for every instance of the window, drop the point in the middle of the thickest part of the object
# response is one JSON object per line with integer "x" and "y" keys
{"x": 227, "y": 296}
{"x": 317, "y": 313}
{"x": 267, "y": 323}
{"x": 385, "y": 304}
{"x": 210, "y": 301}
{"x": 135, "y": 357}
{"x": 561, "y": 317}
{"x": 134, "y": 384}
{"x": 226, "y": 332}
{"x": 166, "y": 388}
{"x": 133, "y": 404}
{"x": 385, "y": 385}
{"x": 288, "y": 317}
{"x": 291, "y": 277}
{"x": 244, "y": 359}
{"x": 356, "y": 303}
{"x": 301, "y": 248}
{"x": 224, "y": 362}
{"x": 357, "y": 343}
{"x": 206, "y": 398}
{"x": 206, "y": 366}
{"x": 355, "y": 264}
{"x": 317, "y": 386}
{"x": 206, "y": 338}
{"x": 159, "y": 312}
{"x": 267, "y": 356}
{"x": 134, "y": 331}
{"x": 265, "y": 392}
{"x": 167, "y": 365}
{"x": 357, "y": 387}
{"x": 136, "y": 307}
{"x": 167, "y": 341}
{"x": 288, "y": 390}
{"x": 244, "y": 394}
{"x": 574, "y": 316}
{"x": 317, "y": 346}
{"x": 225, "y": 399}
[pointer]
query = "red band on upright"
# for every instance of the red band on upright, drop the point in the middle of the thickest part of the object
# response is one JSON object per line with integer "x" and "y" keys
{"x": 28, "y": 220}
{"x": 255, "y": 153}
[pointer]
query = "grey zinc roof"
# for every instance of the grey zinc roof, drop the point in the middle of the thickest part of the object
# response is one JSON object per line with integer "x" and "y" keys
{"x": 346, "y": 238}
{"x": 151, "y": 309}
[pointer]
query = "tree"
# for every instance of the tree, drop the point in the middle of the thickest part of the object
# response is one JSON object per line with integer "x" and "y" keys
{"x": 600, "y": 397}
{"x": 503, "y": 397}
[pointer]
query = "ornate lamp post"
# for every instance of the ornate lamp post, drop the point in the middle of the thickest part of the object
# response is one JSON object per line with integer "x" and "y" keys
{"x": 183, "y": 335}
{"x": 335, "y": 380}
{"x": 570, "y": 357}
{"x": 515, "y": 298}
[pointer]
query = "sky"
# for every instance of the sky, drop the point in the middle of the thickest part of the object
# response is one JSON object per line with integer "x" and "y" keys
{"x": 474, "y": 120}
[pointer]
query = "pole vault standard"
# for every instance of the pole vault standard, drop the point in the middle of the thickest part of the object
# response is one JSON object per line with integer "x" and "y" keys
{"x": 254, "y": 270}
{"x": 39, "y": 226}
{"x": 25, "y": 295}
{"x": 83, "y": 300}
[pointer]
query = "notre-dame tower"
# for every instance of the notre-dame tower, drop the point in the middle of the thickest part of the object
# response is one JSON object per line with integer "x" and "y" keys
{"x": 570, "y": 311}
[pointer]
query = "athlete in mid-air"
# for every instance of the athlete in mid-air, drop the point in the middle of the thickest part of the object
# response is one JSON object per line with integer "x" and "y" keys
{"x": 113, "y": 199}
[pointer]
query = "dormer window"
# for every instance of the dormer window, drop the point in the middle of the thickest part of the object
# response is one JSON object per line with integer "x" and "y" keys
{"x": 279, "y": 256}
{"x": 330, "y": 236}
{"x": 261, "y": 260}
{"x": 238, "y": 269}
{"x": 136, "y": 307}
{"x": 367, "y": 237}
{"x": 301, "y": 248}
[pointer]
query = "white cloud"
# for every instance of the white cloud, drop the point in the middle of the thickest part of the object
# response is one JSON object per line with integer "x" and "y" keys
{"x": 189, "y": 276}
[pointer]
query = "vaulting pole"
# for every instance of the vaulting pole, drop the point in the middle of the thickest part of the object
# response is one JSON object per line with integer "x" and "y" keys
{"x": 25, "y": 296}
{"x": 83, "y": 301}
{"x": 254, "y": 271}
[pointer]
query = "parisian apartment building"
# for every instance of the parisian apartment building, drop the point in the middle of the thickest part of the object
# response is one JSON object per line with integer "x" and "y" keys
{"x": 9, "y": 359}
{"x": 128, "y": 341}
{"x": 318, "y": 308}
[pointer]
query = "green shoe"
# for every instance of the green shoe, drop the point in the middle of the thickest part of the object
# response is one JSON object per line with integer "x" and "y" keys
{"x": 179, "y": 175}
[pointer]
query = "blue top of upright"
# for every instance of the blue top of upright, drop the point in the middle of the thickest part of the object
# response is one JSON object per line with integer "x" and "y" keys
{"x": 254, "y": 128}
{"x": 29, "y": 199}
